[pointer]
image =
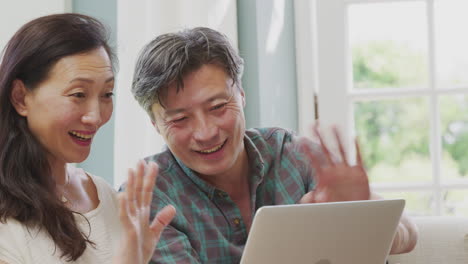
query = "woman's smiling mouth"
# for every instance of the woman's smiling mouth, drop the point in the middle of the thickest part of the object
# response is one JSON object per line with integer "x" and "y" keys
{"x": 81, "y": 136}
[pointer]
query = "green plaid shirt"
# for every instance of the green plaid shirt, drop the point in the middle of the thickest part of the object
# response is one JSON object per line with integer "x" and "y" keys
{"x": 208, "y": 227}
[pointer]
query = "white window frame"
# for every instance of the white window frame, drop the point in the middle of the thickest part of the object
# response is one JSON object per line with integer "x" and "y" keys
{"x": 334, "y": 81}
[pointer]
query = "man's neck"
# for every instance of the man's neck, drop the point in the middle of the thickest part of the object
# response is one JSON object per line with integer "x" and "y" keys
{"x": 236, "y": 181}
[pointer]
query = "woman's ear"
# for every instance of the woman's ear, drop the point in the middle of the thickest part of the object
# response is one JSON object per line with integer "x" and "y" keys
{"x": 18, "y": 97}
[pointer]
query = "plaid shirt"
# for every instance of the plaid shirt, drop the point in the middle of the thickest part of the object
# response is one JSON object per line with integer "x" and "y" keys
{"x": 208, "y": 227}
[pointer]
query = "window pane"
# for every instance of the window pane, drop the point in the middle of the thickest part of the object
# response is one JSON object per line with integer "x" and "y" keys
{"x": 417, "y": 203}
{"x": 451, "y": 42}
{"x": 455, "y": 202}
{"x": 388, "y": 44}
{"x": 454, "y": 127}
{"x": 394, "y": 136}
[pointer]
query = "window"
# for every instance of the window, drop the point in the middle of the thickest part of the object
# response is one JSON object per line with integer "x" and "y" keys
{"x": 394, "y": 74}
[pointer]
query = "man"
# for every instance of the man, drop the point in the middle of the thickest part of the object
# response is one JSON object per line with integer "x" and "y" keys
{"x": 215, "y": 172}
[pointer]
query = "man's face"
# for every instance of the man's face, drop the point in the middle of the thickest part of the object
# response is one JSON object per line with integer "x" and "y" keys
{"x": 204, "y": 124}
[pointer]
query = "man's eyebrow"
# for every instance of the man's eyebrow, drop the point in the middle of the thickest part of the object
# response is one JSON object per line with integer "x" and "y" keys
{"x": 174, "y": 111}
{"x": 81, "y": 79}
{"x": 218, "y": 96}
{"x": 221, "y": 95}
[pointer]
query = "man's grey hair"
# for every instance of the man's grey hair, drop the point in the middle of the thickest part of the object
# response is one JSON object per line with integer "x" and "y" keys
{"x": 168, "y": 58}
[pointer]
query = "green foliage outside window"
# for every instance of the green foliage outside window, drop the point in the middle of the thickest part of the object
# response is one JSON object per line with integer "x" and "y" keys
{"x": 392, "y": 131}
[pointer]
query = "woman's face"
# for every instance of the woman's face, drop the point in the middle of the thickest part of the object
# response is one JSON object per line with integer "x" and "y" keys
{"x": 65, "y": 111}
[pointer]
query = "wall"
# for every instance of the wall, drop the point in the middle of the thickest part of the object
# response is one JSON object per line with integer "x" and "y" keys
{"x": 101, "y": 160}
{"x": 267, "y": 44}
{"x": 13, "y": 14}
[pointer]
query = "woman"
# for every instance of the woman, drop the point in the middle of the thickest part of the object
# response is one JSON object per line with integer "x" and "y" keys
{"x": 56, "y": 87}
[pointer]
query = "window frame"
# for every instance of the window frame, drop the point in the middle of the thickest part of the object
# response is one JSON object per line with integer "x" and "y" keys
{"x": 332, "y": 70}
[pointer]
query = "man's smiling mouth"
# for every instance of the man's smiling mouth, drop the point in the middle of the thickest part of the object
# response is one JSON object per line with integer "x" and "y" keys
{"x": 212, "y": 150}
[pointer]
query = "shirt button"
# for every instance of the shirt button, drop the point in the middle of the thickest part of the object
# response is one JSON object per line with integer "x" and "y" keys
{"x": 236, "y": 221}
{"x": 221, "y": 194}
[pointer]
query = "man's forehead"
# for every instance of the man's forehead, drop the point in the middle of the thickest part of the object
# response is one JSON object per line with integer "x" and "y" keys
{"x": 172, "y": 95}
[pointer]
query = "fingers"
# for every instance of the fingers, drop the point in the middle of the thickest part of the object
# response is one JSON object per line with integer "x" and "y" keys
{"x": 340, "y": 145}
{"x": 139, "y": 173}
{"x": 129, "y": 194}
{"x": 358, "y": 154}
{"x": 149, "y": 182}
{"x": 305, "y": 148}
{"x": 315, "y": 196}
{"x": 307, "y": 198}
{"x": 123, "y": 209}
{"x": 162, "y": 219}
{"x": 140, "y": 184}
{"x": 325, "y": 150}
{"x": 313, "y": 158}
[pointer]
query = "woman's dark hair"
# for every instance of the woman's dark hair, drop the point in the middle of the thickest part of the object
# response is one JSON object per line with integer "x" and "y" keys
{"x": 27, "y": 189}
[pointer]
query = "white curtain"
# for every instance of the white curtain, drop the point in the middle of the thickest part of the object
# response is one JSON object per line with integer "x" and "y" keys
{"x": 138, "y": 22}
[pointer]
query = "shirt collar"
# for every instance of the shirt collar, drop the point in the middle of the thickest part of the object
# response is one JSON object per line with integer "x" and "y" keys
{"x": 256, "y": 161}
{"x": 202, "y": 184}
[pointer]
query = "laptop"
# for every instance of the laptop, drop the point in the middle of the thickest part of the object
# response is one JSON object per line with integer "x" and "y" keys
{"x": 357, "y": 232}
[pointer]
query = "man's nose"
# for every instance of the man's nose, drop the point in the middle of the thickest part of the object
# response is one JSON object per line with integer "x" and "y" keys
{"x": 205, "y": 129}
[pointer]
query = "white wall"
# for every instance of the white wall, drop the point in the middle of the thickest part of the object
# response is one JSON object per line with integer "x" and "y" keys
{"x": 15, "y": 13}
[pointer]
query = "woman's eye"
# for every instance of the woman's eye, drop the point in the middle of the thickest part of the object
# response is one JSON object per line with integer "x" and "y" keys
{"x": 78, "y": 95}
{"x": 109, "y": 95}
{"x": 219, "y": 106}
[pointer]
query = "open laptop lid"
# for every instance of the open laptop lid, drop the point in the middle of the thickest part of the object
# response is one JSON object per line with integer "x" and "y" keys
{"x": 327, "y": 233}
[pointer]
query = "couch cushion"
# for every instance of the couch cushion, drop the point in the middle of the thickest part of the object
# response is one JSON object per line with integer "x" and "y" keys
{"x": 442, "y": 240}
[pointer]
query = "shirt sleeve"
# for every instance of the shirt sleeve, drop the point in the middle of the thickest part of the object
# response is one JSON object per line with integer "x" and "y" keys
{"x": 10, "y": 248}
{"x": 174, "y": 247}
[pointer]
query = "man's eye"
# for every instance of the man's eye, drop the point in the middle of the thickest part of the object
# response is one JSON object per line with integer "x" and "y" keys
{"x": 179, "y": 120}
{"x": 216, "y": 107}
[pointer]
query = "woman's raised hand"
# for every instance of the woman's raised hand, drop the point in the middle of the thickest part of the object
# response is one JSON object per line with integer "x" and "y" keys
{"x": 139, "y": 236}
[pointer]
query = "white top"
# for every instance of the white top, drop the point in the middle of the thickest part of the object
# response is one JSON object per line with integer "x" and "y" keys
{"x": 20, "y": 246}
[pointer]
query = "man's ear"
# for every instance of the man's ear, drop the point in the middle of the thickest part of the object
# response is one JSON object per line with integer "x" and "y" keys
{"x": 155, "y": 126}
{"x": 153, "y": 117}
{"x": 242, "y": 96}
{"x": 18, "y": 97}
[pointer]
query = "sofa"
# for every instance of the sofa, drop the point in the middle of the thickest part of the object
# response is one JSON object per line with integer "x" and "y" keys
{"x": 442, "y": 240}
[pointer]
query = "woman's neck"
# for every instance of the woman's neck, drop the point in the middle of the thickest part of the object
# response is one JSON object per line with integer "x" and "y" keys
{"x": 58, "y": 171}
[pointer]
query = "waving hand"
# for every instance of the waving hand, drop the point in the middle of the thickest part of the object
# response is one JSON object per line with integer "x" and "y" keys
{"x": 337, "y": 180}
